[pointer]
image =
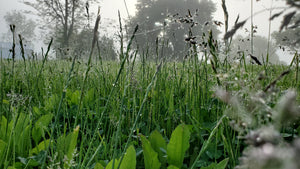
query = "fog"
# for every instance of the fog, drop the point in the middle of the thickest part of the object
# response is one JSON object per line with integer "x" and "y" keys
{"x": 109, "y": 16}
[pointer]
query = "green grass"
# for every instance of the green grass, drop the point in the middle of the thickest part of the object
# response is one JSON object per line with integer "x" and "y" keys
{"x": 139, "y": 113}
{"x": 43, "y": 102}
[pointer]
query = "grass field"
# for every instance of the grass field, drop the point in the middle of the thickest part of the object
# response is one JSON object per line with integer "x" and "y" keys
{"x": 143, "y": 114}
{"x": 204, "y": 113}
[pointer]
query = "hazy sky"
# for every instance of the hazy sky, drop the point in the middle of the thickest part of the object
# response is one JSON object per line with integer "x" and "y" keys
{"x": 109, "y": 12}
{"x": 243, "y": 8}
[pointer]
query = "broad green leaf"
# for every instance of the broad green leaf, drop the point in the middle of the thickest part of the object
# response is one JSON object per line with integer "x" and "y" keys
{"x": 17, "y": 165}
{"x": 2, "y": 148}
{"x": 89, "y": 97}
{"x": 172, "y": 167}
{"x": 42, "y": 146}
{"x": 157, "y": 143}
{"x": 128, "y": 162}
{"x": 98, "y": 166}
{"x": 5, "y": 102}
{"x": 178, "y": 145}
{"x": 51, "y": 103}
{"x": 36, "y": 111}
{"x": 211, "y": 166}
{"x": 40, "y": 126}
{"x": 220, "y": 165}
{"x": 150, "y": 156}
{"x": 61, "y": 146}
{"x": 3, "y": 131}
{"x": 110, "y": 164}
{"x": 44, "y": 120}
{"x": 22, "y": 134}
{"x": 71, "y": 147}
{"x": 24, "y": 141}
{"x": 29, "y": 162}
{"x": 22, "y": 122}
{"x": 75, "y": 97}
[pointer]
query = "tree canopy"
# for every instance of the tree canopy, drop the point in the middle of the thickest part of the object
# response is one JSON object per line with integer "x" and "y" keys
{"x": 67, "y": 21}
{"x": 62, "y": 18}
{"x": 161, "y": 19}
{"x": 290, "y": 37}
{"x": 24, "y": 26}
{"x": 64, "y": 15}
{"x": 105, "y": 45}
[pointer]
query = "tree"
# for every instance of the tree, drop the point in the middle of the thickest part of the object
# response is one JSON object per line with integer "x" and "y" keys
{"x": 25, "y": 27}
{"x": 63, "y": 18}
{"x": 83, "y": 45}
{"x": 290, "y": 37}
{"x": 260, "y": 48}
{"x": 156, "y": 20}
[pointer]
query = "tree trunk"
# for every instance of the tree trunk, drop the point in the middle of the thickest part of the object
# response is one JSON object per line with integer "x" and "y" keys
{"x": 66, "y": 24}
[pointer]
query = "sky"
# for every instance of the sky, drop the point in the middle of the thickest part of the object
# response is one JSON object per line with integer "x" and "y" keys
{"x": 243, "y": 9}
{"x": 109, "y": 15}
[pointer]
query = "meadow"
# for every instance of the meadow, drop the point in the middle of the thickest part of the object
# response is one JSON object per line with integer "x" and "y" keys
{"x": 139, "y": 113}
{"x": 71, "y": 114}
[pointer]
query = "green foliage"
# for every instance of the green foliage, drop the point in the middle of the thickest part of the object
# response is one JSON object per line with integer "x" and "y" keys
{"x": 73, "y": 98}
{"x": 41, "y": 125}
{"x": 178, "y": 145}
{"x": 3, "y": 146}
{"x": 150, "y": 156}
{"x": 42, "y": 146}
{"x": 220, "y": 165}
{"x": 155, "y": 149}
{"x": 129, "y": 160}
{"x": 16, "y": 140}
{"x": 70, "y": 142}
{"x": 66, "y": 147}
{"x": 98, "y": 166}
{"x": 51, "y": 103}
{"x": 172, "y": 167}
{"x": 112, "y": 102}
{"x": 158, "y": 144}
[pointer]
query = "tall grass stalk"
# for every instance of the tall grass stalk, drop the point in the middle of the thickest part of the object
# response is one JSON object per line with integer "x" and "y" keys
{"x": 140, "y": 111}
{"x": 22, "y": 51}
{"x": 208, "y": 141}
{"x": 116, "y": 101}
{"x": 58, "y": 111}
{"x": 13, "y": 49}
{"x": 110, "y": 95}
{"x": 2, "y": 80}
{"x": 39, "y": 76}
{"x": 297, "y": 69}
{"x": 95, "y": 39}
